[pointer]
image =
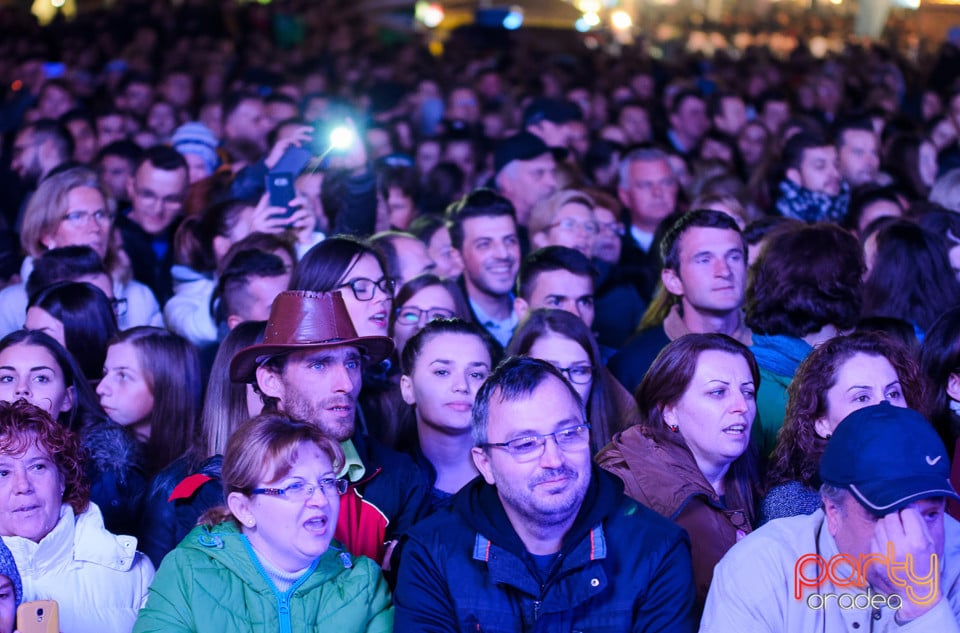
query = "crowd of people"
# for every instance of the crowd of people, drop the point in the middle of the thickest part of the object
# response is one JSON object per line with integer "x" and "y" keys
{"x": 306, "y": 328}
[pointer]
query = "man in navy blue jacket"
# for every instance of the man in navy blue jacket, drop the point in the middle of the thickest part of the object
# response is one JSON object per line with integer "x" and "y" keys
{"x": 543, "y": 540}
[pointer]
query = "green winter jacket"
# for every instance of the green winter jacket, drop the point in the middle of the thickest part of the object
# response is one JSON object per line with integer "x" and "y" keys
{"x": 212, "y": 582}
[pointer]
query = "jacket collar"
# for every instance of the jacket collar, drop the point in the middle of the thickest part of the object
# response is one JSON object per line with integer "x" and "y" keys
{"x": 480, "y": 506}
{"x": 666, "y": 473}
{"x": 80, "y": 538}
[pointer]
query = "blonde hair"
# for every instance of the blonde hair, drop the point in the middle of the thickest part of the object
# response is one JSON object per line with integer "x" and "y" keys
{"x": 48, "y": 205}
{"x": 545, "y": 211}
{"x": 264, "y": 448}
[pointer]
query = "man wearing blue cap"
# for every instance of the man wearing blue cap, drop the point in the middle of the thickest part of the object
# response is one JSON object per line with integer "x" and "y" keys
{"x": 881, "y": 555}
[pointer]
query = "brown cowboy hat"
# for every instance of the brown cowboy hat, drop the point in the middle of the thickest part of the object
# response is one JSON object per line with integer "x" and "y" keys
{"x": 300, "y": 320}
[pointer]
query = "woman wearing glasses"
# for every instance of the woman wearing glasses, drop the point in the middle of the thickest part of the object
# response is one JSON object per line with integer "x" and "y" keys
{"x": 563, "y": 340}
{"x": 421, "y": 300}
{"x": 266, "y": 561}
{"x": 691, "y": 459}
{"x": 70, "y": 209}
{"x": 356, "y": 269}
{"x": 565, "y": 218}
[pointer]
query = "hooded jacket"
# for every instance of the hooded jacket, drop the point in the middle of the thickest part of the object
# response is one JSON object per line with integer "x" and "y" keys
{"x": 665, "y": 478}
{"x": 214, "y": 583}
{"x": 114, "y": 467}
{"x": 621, "y": 568}
{"x": 98, "y": 579}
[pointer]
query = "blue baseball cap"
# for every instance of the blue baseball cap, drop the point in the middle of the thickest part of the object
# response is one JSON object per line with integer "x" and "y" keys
{"x": 887, "y": 457}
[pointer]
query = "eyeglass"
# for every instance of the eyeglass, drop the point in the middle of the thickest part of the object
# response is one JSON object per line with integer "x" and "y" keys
{"x": 572, "y": 224}
{"x": 301, "y": 491}
{"x": 119, "y": 307}
{"x": 577, "y": 374}
{"x": 364, "y": 289}
{"x": 81, "y": 218}
{"x": 150, "y": 197}
{"x": 411, "y": 315}
{"x": 531, "y": 447}
{"x": 612, "y": 227}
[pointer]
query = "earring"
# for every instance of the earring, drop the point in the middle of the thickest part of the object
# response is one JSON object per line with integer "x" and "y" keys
{"x": 675, "y": 428}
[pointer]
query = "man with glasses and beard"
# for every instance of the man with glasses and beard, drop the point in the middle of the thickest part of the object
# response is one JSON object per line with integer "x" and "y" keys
{"x": 543, "y": 540}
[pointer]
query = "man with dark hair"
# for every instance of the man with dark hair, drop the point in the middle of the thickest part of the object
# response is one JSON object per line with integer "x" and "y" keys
{"x": 248, "y": 286}
{"x": 869, "y": 203}
{"x": 116, "y": 164}
{"x": 135, "y": 94}
{"x": 309, "y": 366}
{"x": 543, "y": 540}
{"x": 773, "y": 110}
{"x": 68, "y": 263}
{"x": 727, "y": 112}
{"x": 858, "y": 149}
{"x": 559, "y": 278}
{"x": 157, "y": 190}
{"x": 279, "y": 107}
{"x": 110, "y": 126}
{"x": 176, "y": 88}
{"x": 38, "y": 148}
{"x": 483, "y": 234}
{"x": 881, "y": 555}
{"x": 245, "y": 122}
{"x": 634, "y": 119}
{"x": 80, "y": 126}
{"x": 705, "y": 274}
{"x": 397, "y": 193}
{"x": 406, "y": 255}
{"x": 688, "y": 121}
{"x": 812, "y": 189}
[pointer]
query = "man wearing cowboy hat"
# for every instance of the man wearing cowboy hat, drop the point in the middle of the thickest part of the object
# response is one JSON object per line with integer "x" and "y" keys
{"x": 309, "y": 366}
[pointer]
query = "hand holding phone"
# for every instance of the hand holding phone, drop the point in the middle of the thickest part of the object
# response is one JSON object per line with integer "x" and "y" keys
{"x": 280, "y": 189}
{"x": 38, "y": 616}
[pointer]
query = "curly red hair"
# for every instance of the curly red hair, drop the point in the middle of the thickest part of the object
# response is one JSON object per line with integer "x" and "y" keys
{"x": 22, "y": 424}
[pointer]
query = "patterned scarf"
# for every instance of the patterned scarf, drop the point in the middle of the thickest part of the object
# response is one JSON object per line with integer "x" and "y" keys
{"x": 811, "y": 206}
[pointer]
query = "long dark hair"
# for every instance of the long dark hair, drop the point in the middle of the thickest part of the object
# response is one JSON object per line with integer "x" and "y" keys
{"x": 665, "y": 384}
{"x": 171, "y": 369}
{"x": 911, "y": 278}
{"x": 606, "y": 413}
{"x": 324, "y": 265}
{"x": 939, "y": 358}
{"x": 799, "y": 448}
{"x": 88, "y": 321}
{"x": 86, "y": 405}
{"x": 804, "y": 279}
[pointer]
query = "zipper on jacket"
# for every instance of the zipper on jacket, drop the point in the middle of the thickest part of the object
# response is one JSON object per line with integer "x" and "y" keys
{"x": 283, "y": 609}
{"x": 536, "y": 609}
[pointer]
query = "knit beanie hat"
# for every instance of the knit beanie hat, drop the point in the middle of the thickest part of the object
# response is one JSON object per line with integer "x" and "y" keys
{"x": 8, "y": 568}
{"x": 197, "y": 138}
